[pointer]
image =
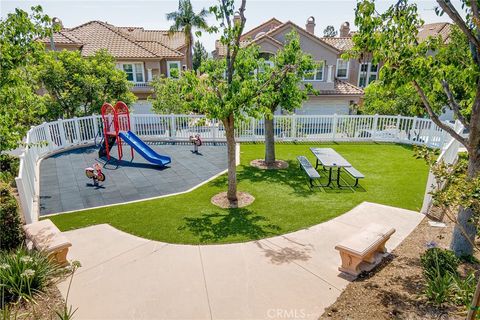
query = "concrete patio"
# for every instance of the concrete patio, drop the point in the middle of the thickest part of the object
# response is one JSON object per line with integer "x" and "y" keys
{"x": 289, "y": 276}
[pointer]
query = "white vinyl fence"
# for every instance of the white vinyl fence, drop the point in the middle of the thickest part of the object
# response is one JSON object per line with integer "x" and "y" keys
{"x": 58, "y": 136}
{"x": 449, "y": 155}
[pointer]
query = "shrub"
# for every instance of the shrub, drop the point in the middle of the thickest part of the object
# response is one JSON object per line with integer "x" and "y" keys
{"x": 439, "y": 288}
{"x": 24, "y": 273}
{"x": 11, "y": 232}
{"x": 8, "y": 168}
{"x": 464, "y": 289}
{"x": 439, "y": 262}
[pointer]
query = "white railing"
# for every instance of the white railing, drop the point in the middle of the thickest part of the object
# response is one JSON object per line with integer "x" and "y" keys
{"x": 52, "y": 137}
{"x": 449, "y": 155}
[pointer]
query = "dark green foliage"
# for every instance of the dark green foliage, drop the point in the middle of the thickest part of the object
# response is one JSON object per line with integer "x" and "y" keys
{"x": 437, "y": 261}
{"x": 199, "y": 55}
{"x": 330, "y": 32}
{"x": 11, "y": 233}
{"x": 8, "y": 168}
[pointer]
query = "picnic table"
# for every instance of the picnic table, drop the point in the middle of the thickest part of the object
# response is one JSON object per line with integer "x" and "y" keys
{"x": 330, "y": 159}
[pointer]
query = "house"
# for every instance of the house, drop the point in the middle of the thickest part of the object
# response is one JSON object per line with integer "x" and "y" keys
{"x": 339, "y": 82}
{"x": 142, "y": 54}
{"x": 337, "y": 94}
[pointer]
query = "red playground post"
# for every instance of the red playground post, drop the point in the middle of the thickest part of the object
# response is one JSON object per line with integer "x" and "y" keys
{"x": 115, "y": 119}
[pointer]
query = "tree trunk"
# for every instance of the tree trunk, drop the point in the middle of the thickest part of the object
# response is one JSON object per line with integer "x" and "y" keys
{"x": 232, "y": 167}
{"x": 269, "y": 142}
{"x": 465, "y": 231}
{"x": 189, "y": 51}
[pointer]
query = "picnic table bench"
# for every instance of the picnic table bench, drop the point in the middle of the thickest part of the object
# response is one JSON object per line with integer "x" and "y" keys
{"x": 330, "y": 159}
{"x": 363, "y": 247}
{"x": 307, "y": 167}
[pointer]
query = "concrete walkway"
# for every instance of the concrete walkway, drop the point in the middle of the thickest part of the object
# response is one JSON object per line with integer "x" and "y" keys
{"x": 285, "y": 277}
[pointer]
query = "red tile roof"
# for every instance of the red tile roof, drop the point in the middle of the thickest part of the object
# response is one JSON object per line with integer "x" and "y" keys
{"x": 343, "y": 88}
{"x": 121, "y": 42}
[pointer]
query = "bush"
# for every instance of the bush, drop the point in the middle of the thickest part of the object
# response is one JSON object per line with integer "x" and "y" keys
{"x": 8, "y": 168}
{"x": 439, "y": 288}
{"x": 439, "y": 262}
{"x": 24, "y": 273}
{"x": 11, "y": 232}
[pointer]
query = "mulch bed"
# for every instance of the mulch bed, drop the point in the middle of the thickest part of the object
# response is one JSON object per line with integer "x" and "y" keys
{"x": 244, "y": 199}
{"x": 260, "y": 163}
{"x": 45, "y": 306}
{"x": 394, "y": 289}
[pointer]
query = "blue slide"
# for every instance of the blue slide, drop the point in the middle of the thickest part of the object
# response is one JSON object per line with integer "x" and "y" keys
{"x": 142, "y": 148}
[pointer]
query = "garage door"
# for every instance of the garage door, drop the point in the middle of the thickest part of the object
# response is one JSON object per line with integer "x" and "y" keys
{"x": 318, "y": 107}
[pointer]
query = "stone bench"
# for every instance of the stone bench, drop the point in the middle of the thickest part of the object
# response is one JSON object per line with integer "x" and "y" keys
{"x": 363, "y": 247}
{"x": 46, "y": 237}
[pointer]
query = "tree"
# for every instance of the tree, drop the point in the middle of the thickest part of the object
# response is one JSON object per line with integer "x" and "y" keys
{"x": 20, "y": 107}
{"x": 199, "y": 55}
{"x": 229, "y": 89}
{"x": 169, "y": 96}
{"x": 449, "y": 77}
{"x": 79, "y": 86}
{"x": 381, "y": 98}
{"x": 330, "y": 32}
{"x": 288, "y": 93}
{"x": 185, "y": 20}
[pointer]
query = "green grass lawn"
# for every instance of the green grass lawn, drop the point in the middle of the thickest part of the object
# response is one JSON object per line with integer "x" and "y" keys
{"x": 283, "y": 202}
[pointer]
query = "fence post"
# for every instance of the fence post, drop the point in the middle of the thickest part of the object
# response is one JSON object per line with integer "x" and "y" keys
{"x": 253, "y": 128}
{"x": 213, "y": 125}
{"x": 398, "y": 127}
{"x": 334, "y": 126}
{"x": 133, "y": 124}
{"x": 173, "y": 127}
{"x": 374, "y": 126}
{"x": 77, "y": 129}
{"x": 293, "y": 134}
{"x": 95, "y": 127}
{"x": 46, "y": 127}
{"x": 61, "y": 130}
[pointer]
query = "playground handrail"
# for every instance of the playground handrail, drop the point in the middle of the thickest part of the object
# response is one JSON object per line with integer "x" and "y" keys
{"x": 58, "y": 136}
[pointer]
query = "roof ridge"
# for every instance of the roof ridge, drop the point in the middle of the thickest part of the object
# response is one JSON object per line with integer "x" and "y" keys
{"x": 303, "y": 30}
{"x": 263, "y": 24}
{"x": 112, "y": 28}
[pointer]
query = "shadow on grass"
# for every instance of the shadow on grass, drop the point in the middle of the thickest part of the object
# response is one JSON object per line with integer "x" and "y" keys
{"x": 217, "y": 226}
{"x": 291, "y": 176}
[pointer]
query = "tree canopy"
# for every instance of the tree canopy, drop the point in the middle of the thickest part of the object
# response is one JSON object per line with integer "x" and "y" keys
{"x": 78, "y": 86}
{"x": 186, "y": 20}
{"x": 20, "y": 106}
{"x": 199, "y": 55}
{"x": 330, "y": 32}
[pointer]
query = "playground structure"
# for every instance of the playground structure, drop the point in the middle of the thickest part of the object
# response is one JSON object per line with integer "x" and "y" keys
{"x": 116, "y": 129}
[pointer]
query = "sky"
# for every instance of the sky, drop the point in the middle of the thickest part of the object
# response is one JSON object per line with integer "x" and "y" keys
{"x": 150, "y": 14}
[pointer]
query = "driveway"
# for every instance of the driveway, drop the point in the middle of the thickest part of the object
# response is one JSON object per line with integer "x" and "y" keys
{"x": 284, "y": 277}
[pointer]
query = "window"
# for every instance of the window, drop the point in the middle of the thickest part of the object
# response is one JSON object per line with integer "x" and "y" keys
{"x": 134, "y": 71}
{"x": 173, "y": 69}
{"x": 317, "y": 74}
{"x": 368, "y": 73}
{"x": 342, "y": 68}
